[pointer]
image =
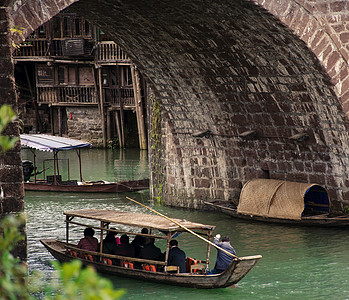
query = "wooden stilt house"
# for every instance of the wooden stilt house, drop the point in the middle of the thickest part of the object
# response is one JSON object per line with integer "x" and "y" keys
{"x": 73, "y": 81}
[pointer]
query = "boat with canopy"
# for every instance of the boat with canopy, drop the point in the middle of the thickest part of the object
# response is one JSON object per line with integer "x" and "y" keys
{"x": 286, "y": 202}
{"x": 55, "y": 182}
{"x": 159, "y": 228}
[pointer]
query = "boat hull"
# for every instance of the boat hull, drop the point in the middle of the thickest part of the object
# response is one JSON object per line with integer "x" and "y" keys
{"x": 235, "y": 272}
{"x": 112, "y": 187}
{"x": 323, "y": 220}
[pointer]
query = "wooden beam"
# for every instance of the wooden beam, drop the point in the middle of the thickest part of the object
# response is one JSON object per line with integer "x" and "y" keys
{"x": 101, "y": 107}
{"x": 122, "y": 123}
{"x": 108, "y": 126}
{"x": 139, "y": 108}
{"x": 118, "y": 129}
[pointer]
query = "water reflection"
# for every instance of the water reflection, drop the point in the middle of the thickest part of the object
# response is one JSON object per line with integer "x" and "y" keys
{"x": 297, "y": 263}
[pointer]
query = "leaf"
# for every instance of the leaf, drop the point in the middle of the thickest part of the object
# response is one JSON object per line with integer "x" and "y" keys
{"x": 7, "y": 143}
{"x": 7, "y": 115}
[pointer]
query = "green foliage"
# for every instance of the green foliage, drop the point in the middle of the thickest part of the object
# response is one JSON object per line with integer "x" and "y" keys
{"x": 346, "y": 210}
{"x": 159, "y": 198}
{"x": 16, "y": 30}
{"x": 157, "y": 163}
{"x": 13, "y": 273}
{"x": 76, "y": 282}
{"x": 7, "y": 116}
{"x": 73, "y": 283}
{"x": 156, "y": 125}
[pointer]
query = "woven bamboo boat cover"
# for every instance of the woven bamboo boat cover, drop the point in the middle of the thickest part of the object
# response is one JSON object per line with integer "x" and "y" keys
{"x": 273, "y": 198}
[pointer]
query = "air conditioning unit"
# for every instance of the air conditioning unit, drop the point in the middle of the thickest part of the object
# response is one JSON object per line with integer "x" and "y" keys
{"x": 73, "y": 47}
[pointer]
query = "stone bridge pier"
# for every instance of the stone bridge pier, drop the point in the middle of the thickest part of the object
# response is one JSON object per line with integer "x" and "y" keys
{"x": 239, "y": 89}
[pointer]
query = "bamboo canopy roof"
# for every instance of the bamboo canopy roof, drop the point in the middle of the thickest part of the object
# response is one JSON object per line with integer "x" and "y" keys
{"x": 136, "y": 219}
{"x": 279, "y": 199}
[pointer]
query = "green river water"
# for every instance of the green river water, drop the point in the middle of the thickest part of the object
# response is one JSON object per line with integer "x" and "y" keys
{"x": 297, "y": 263}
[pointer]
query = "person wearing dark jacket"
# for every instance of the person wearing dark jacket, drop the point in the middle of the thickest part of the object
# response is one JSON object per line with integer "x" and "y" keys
{"x": 139, "y": 242}
{"x": 125, "y": 248}
{"x": 150, "y": 251}
{"x": 176, "y": 256}
{"x": 109, "y": 243}
{"x": 223, "y": 259}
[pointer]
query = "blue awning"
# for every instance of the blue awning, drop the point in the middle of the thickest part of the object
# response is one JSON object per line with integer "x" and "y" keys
{"x": 44, "y": 142}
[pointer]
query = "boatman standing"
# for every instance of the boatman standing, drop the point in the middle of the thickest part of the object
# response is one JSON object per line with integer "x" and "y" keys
{"x": 223, "y": 259}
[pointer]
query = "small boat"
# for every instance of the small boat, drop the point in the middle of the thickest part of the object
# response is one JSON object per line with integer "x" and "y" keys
{"x": 149, "y": 270}
{"x": 285, "y": 202}
{"x": 54, "y": 182}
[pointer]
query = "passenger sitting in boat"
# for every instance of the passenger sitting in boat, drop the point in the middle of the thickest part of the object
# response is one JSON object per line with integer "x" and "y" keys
{"x": 125, "y": 248}
{"x": 150, "y": 251}
{"x": 223, "y": 259}
{"x": 176, "y": 256}
{"x": 109, "y": 243}
{"x": 139, "y": 242}
{"x": 88, "y": 242}
{"x": 117, "y": 239}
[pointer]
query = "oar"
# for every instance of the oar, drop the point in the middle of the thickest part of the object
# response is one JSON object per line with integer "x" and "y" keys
{"x": 184, "y": 227}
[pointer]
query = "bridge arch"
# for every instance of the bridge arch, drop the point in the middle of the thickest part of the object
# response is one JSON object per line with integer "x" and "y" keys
{"x": 223, "y": 70}
{"x": 323, "y": 27}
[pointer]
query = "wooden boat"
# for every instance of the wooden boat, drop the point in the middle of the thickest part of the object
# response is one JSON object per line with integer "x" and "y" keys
{"x": 54, "y": 182}
{"x": 159, "y": 228}
{"x": 284, "y": 202}
{"x": 89, "y": 187}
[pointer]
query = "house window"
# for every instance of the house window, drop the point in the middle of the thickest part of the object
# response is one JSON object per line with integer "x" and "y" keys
{"x": 77, "y": 23}
{"x": 86, "y": 76}
{"x": 45, "y": 74}
{"x": 113, "y": 77}
{"x": 105, "y": 77}
{"x": 127, "y": 78}
{"x": 72, "y": 75}
{"x": 87, "y": 28}
{"x": 61, "y": 75}
{"x": 41, "y": 32}
{"x": 66, "y": 27}
{"x": 57, "y": 27}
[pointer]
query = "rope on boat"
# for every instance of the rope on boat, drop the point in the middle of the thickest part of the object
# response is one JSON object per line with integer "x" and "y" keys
{"x": 184, "y": 227}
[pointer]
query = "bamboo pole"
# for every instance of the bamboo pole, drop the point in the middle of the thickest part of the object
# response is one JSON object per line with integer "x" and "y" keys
{"x": 184, "y": 227}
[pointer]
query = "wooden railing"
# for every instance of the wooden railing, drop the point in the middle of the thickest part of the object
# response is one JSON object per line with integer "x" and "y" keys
{"x": 106, "y": 51}
{"x": 33, "y": 48}
{"x": 126, "y": 94}
{"x": 46, "y": 48}
{"x": 67, "y": 95}
{"x": 110, "y": 52}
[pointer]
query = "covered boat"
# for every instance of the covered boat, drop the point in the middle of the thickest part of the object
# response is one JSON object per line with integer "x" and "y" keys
{"x": 54, "y": 182}
{"x": 150, "y": 270}
{"x": 281, "y": 201}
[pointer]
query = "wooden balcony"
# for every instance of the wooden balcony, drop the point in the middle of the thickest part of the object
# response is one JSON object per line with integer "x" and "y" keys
{"x": 67, "y": 95}
{"x": 124, "y": 94}
{"x": 43, "y": 48}
{"x": 33, "y": 48}
{"x": 110, "y": 52}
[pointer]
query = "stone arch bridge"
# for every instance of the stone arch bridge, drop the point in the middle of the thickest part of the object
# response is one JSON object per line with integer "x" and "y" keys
{"x": 246, "y": 89}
